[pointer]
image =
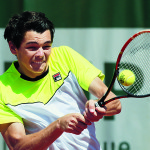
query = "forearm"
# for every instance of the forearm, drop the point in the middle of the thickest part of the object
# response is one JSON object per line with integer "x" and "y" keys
{"x": 16, "y": 138}
{"x": 41, "y": 140}
{"x": 98, "y": 89}
{"x": 114, "y": 107}
{"x": 94, "y": 114}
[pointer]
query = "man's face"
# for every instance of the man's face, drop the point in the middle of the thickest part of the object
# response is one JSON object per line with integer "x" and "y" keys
{"x": 33, "y": 53}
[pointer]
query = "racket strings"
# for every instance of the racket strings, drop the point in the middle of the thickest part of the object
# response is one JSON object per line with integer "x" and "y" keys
{"x": 136, "y": 57}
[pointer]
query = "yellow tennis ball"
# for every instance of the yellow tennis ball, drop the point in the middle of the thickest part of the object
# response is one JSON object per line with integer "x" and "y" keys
{"x": 126, "y": 77}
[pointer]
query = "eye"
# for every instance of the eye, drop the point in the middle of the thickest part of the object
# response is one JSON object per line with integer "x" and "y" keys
{"x": 47, "y": 47}
{"x": 32, "y": 48}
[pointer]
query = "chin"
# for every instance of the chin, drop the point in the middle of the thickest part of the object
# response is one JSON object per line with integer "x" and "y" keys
{"x": 40, "y": 70}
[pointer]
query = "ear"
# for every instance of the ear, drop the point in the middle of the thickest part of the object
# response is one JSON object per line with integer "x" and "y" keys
{"x": 13, "y": 48}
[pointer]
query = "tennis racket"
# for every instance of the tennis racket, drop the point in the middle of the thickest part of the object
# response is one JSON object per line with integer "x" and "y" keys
{"x": 134, "y": 56}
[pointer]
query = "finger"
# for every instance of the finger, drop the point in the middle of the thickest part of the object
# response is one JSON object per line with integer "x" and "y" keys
{"x": 91, "y": 106}
{"x": 89, "y": 116}
{"x": 74, "y": 130}
{"x": 83, "y": 120}
{"x": 101, "y": 110}
{"x": 81, "y": 126}
{"x": 88, "y": 113}
{"x": 78, "y": 125}
{"x": 94, "y": 117}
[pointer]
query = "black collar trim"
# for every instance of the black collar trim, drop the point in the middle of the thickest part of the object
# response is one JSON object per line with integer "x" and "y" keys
{"x": 31, "y": 79}
{"x": 36, "y": 78}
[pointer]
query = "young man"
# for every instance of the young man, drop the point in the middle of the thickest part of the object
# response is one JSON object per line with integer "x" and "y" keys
{"x": 42, "y": 104}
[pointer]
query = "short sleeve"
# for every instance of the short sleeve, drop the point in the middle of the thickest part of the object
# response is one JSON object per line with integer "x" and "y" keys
{"x": 7, "y": 115}
{"x": 84, "y": 71}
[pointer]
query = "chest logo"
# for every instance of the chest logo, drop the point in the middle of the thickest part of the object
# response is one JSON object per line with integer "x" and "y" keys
{"x": 57, "y": 77}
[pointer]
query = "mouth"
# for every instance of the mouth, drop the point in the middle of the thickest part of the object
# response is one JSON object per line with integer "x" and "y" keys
{"x": 38, "y": 65}
{"x": 39, "y": 62}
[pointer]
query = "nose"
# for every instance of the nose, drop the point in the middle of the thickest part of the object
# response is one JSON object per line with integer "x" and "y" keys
{"x": 40, "y": 53}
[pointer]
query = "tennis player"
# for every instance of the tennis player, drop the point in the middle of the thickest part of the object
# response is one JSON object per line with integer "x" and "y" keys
{"x": 42, "y": 104}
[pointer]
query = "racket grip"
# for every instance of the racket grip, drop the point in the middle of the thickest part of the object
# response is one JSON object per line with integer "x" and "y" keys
{"x": 100, "y": 104}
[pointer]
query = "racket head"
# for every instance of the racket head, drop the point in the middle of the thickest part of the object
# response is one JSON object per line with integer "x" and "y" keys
{"x": 135, "y": 56}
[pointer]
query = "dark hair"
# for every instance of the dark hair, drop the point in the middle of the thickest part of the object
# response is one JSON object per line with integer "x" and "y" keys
{"x": 19, "y": 24}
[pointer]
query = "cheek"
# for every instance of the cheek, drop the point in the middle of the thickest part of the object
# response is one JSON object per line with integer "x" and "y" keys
{"x": 24, "y": 57}
{"x": 47, "y": 54}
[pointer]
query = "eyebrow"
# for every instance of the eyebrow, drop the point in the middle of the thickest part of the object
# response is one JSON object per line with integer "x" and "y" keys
{"x": 47, "y": 42}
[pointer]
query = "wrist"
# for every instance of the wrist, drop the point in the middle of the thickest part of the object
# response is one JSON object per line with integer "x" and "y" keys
{"x": 59, "y": 126}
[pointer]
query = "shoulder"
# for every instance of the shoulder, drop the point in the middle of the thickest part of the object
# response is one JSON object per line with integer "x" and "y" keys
{"x": 62, "y": 49}
{"x": 9, "y": 75}
{"x": 62, "y": 52}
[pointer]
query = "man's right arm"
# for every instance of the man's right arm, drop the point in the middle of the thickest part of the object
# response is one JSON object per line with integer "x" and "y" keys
{"x": 16, "y": 138}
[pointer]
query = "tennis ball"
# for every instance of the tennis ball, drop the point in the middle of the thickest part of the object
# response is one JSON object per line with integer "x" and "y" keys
{"x": 126, "y": 77}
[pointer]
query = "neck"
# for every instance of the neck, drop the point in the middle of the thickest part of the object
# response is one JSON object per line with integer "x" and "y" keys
{"x": 35, "y": 77}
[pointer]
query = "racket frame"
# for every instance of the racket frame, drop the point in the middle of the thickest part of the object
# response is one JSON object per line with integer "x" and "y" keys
{"x": 101, "y": 102}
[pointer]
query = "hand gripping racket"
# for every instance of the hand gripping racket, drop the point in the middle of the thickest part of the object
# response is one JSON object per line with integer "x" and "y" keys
{"x": 134, "y": 56}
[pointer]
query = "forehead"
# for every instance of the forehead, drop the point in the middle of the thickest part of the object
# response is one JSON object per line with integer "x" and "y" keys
{"x": 33, "y": 36}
